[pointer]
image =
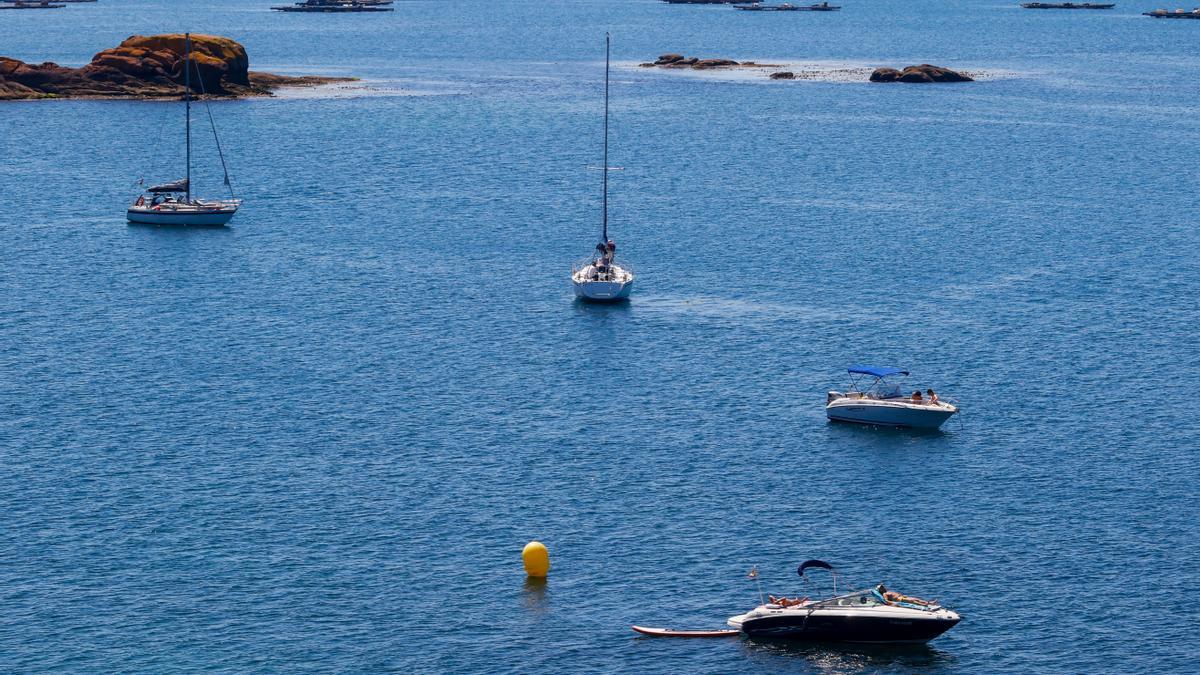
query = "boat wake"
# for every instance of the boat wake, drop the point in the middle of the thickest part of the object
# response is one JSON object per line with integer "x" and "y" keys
{"x": 370, "y": 88}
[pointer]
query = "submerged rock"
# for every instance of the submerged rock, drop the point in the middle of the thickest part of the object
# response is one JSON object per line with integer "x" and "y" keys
{"x": 148, "y": 67}
{"x": 920, "y": 74}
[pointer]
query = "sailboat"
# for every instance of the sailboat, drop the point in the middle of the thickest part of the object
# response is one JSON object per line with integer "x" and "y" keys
{"x": 172, "y": 203}
{"x": 601, "y": 279}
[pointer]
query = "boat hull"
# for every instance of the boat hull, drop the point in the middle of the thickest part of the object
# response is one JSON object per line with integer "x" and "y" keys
{"x": 181, "y": 217}
{"x": 889, "y": 413}
{"x": 824, "y": 626}
{"x": 603, "y": 291}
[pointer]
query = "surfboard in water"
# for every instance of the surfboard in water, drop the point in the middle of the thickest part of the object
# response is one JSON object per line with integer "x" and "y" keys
{"x": 671, "y": 632}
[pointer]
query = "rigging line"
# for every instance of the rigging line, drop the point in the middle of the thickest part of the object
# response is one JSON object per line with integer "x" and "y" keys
{"x": 213, "y": 125}
{"x": 607, "y": 49}
{"x": 157, "y": 162}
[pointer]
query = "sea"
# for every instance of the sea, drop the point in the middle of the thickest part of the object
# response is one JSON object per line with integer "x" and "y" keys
{"x": 318, "y": 439}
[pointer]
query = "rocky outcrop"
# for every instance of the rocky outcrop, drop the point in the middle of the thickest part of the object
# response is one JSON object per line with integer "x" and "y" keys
{"x": 919, "y": 74}
{"x": 783, "y": 75}
{"x": 681, "y": 61}
{"x": 148, "y": 67}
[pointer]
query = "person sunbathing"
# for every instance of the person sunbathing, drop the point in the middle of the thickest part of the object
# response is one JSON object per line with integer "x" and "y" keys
{"x": 787, "y": 602}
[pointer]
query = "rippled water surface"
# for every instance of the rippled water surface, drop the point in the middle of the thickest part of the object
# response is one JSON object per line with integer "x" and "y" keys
{"x": 318, "y": 439}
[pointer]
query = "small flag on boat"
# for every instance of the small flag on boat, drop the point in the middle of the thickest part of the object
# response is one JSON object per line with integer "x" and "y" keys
{"x": 753, "y": 573}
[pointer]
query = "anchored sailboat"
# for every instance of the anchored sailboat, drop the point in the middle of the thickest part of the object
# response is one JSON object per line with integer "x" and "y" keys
{"x": 601, "y": 278}
{"x": 172, "y": 203}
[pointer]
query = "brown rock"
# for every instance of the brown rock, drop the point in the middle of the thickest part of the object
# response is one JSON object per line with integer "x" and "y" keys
{"x": 713, "y": 63}
{"x": 885, "y": 75}
{"x": 148, "y": 67}
{"x": 667, "y": 59}
{"x": 939, "y": 74}
{"x": 783, "y": 75}
{"x": 923, "y": 73}
{"x": 914, "y": 75}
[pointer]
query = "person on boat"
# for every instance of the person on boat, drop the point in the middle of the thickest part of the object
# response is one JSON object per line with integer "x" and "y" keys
{"x": 610, "y": 252}
{"x": 786, "y": 601}
{"x": 916, "y": 397}
{"x": 933, "y": 399}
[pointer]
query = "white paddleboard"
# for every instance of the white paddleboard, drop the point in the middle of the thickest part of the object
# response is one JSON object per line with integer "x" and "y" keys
{"x": 671, "y": 632}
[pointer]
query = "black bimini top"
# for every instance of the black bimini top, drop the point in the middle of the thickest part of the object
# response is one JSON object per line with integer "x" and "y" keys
{"x": 177, "y": 186}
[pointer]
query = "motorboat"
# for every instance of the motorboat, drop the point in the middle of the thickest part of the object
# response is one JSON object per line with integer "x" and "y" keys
{"x": 1177, "y": 14}
{"x": 873, "y": 615}
{"x": 24, "y": 4}
{"x": 336, "y": 6}
{"x": 1065, "y": 5}
{"x": 883, "y": 404}
{"x": 600, "y": 278}
{"x": 172, "y": 203}
{"x": 787, "y": 7}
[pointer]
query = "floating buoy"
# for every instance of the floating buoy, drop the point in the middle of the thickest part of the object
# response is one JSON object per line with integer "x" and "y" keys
{"x": 536, "y": 559}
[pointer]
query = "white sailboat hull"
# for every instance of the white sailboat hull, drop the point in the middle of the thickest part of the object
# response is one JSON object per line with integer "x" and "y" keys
{"x": 612, "y": 286}
{"x": 218, "y": 215}
{"x": 603, "y": 291}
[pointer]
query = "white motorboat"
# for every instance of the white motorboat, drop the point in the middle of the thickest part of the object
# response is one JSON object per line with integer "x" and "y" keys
{"x": 601, "y": 279}
{"x": 883, "y": 404}
{"x": 873, "y": 615}
{"x": 172, "y": 203}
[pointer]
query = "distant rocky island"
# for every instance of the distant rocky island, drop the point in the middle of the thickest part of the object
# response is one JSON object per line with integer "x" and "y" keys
{"x": 912, "y": 74}
{"x": 923, "y": 73}
{"x": 681, "y": 61}
{"x": 150, "y": 67}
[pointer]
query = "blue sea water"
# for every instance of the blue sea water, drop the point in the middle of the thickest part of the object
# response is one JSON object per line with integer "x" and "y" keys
{"x": 318, "y": 439}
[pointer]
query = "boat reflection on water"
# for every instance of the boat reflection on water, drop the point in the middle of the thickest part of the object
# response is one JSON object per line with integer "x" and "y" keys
{"x": 771, "y": 654}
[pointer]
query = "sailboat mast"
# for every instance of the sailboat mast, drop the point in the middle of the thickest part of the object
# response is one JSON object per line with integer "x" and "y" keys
{"x": 187, "y": 98}
{"x": 607, "y": 43}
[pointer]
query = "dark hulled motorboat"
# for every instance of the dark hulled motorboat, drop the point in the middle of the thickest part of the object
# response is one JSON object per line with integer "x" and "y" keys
{"x": 328, "y": 6}
{"x": 24, "y": 4}
{"x": 786, "y": 7}
{"x": 1177, "y": 14}
{"x": 874, "y": 615}
{"x": 1065, "y": 5}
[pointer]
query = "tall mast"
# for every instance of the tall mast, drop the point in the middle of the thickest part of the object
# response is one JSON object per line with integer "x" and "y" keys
{"x": 607, "y": 42}
{"x": 187, "y": 98}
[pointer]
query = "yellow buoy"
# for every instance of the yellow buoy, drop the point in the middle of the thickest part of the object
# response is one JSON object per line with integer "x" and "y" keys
{"x": 536, "y": 559}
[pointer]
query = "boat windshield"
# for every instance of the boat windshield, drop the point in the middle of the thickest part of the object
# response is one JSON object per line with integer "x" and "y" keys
{"x": 867, "y": 598}
{"x": 884, "y": 388}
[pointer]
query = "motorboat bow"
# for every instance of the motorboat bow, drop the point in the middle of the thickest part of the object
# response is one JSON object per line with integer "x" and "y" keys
{"x": 873, "y": 615}
{"x": 882, "y": 403}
